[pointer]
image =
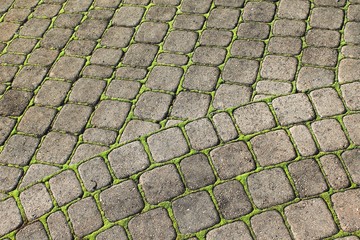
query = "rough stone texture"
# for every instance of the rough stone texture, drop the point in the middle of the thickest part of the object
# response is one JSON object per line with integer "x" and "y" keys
{"x": 6, "y": 125}
{"x": 279, "y": 68}
{"x": 123, "y": 89}
{"x": 235, "y": 230}
{"x": 153, "y": 105}
{"x": 212, "y": 37}
{"x": 297, "y": 9}
{"x": 85, "y": 216}
{"x": 240, "y": 71}
{"x": 232, "y": 159}
{"x": 352, "y": 159}
{"x": 37, "y": 172}
{"x": 329, "y": 18}
{"x": 34, "y": 230}
{"x": 259, "y": 11}
{"x": 324, "y": 57}
{"x": 310, "y": 78}
{"x": 303, "y": 140}
{"x": 188, "y": 22}
{"x": 137, "y": 128}
{"x": 307, "y": 177}
{"x": 350, "y": 95}
{"x": 86, "y": 91}
{"x": 226, "y": 18}
{"x": 140, "y": 55}
{"x": 67, "y": 68}
{"x": 14, "y": 102}
{"x": 195, "y": 212}
{"x": 231, "y": 95}
{"x": 352, "y": 124}
{"x": 86, "y": 151}
{"x": 113, "y": 233}
{"x": 164, "y": 77}
{"x": 58, "y": 226}
{"x": 289, "y": 28}
{"x": 110, "y": 114}
{"x": 201, "y": 78}
{"x": 329, "y": 134}
{"x": 310, "y": 219}
{"x": 151, "y": 32}
{"x": 10, "y": 177}
{"x": 52, "y": 93}
{"x": 348, "y": 72}
{"x": 183, "y": 107}
{"x": 197, "y": 171}
{"x": 247, "y": 48}
{"x": 285, "y": 45}
{"x": 270, "y": 187}
{"x": 94, "y": 174}
{"x": 201, "y": 134}
{"x": 323, "y": 38}
{"x": 161, "y": 184}
{"x": 100, "y": 136}
{"x": 224, "y": 126}
{"x": 10, "y": 217}
{"x": 334, "y": 171}
{"x": 209, "y": 55}
{"x": 154, "y": 224}
{"x": 273, "y": 147}
{"x": 327, "y": 102}
{"x": 121, "y": 201}
{"x": 232, "y": 199}
{"x": 269, "y": 225}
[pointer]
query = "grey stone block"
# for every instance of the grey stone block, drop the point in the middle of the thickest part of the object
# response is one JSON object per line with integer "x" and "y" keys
{"x": 201, "y": 134}
{"x": 95, "y": 174}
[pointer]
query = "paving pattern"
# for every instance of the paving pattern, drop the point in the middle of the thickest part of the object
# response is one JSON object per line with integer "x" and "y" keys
{"x": 179, "y": 119}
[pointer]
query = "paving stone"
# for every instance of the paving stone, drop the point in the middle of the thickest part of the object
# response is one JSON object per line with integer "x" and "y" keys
{"x": 10, "y": 58}
{"x": 67, "y": 20}
{"x": 320, "y": 56}
{"x": 46, "y": 10}
{"x": 36, "y": 173}
{"x": 107, "y": 3}
{"x": 201, "y": 6}
{"x": 121, "y": 200}
{"x": 56, "y": 38}
{"x": 322, "y": 98}
{"x": 224, "y": 126}
{"x": 290, "y": 28}
{"x": 80, "y": 47}
{"x": 86, "y": 151}
{"x": 164, "y": 78}
{"x": 67, "y": 68}
{"x": 320, "y": 17}
{"x": 310, "y": 218}
{"x": 270, "y": 187}
{"x": 231, "y": 95}
{"x": 167, "y": 144}
{"x": 189, "y": 22}
{"x": 22, "y": 45}
{"x": 352, "y": 124}
{"x": 273, "y": 147}
{"x": 240, "y": 71}
{"x": 36, "y": 201}
{"x": 226, "y": 18}
{"x": 285, "y": 45}
{"x": 43, "y": 57}
{"x": 232, "y": 159}
{"x": 275, "y": 88}
{"x": 128, "y": 16}
{"x": 348, "y": 72}
{"x": 346, "y": 206}
{"x": 17, "y": 15}
{"x": 209, "y": 55}
{"x": 161, "y": 184}
{"x": 72, "y": 118}
{"x": 247, "y": 48}
{"x": 180, "y": 41}
{"x": 348, "y": 238}
{"x": 153, "y": 105}
{"x": 6, "y": 125}
{"x": 172, "y": 58}
{"x": 140, "y": 55}
{"x": 269, "y": 225}
{"x": 139, "y": 2}
{"x": 14, "y": 102}
{"x": 10, "y": 177}
{"x": 34, "y": 27}
{"x": 197, "y": 171}
{"x": 329, "y": 135}
{"x": 101, "y": 14}
{"x": 113, "y": 233}
{"x": 195, "y": 212}
{"x": 8, "y": 29}
{"x": 253, "y": 30}
{"x": 75, "y": 6}
{"x": 137, "y": 128}
{"x": 160, "y": 13}
{"x": 94, "y": 174}
{"x": 151, "y": 32}
{"x": 106, "y": 56}
{"x": 232, "y": 199}
{"x": 34, "y": 230}
{"x": 308, "y": 178}
{"x": 229, "y": 3}
{"x": 201, "y": 134}
{"x": 65, "y": 188}
{"x": 259, "y": 11}
{"x": 123, "y": 89}
{"x": 235, "y": 230}
{"x": 97, "y": 71}
{"x": 87, "y": 91}
{"x": 279, "y": 68}
{"x": 298, "y": 9}
{"x": 351, "y": 159}
{"x": 6, "y": 4}
{"x": 56, "y": 148}
{"x": 58, "y": 226}
{"x": 213, "y": 37}
{"x": 29, "y": 77}
{"x": 351, "y": 51}
{"x": 334, "y": 171}
{"x": 131, "y": 73}
{"x": 351, "y": 32}
{"x": 167, "y": 2}
{"x": 353, "y": 13}
{"x": 36, "y": 120}
{"x": 183, "y": 106}
{"x": 98, "y": 135}
{"x": 18, "y": 150}
{"x": 91, "y": 29}
{"x": 285, "y": 109}
{"x": 310, "y": 78}
{"x": 339, "y": 3}
{"x": 350, "y": 95}
{"x": 85, "y": 216}
{"x": 254, "y": 117}
{"x": 7, "y": 73}
{"x": 323, "y": 38}
{"x": 10, "y": 217}
{"x": 303, "y": 140}
{"x": 154, "y": 224}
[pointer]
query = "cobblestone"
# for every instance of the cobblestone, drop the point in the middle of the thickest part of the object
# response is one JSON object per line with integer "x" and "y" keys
{"x": 269, "y": 225}
{"x": 34, "y": 230}
{"x": 58, "y": 226}
{"x": 201, "y": 134}
{"x": 351, "y": 159}
{"x": 234, "y": 230}
{"x": 334, "y": 171}
{"x": 94, "y": 174}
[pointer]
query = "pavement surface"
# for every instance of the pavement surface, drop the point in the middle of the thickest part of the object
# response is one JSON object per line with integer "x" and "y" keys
{"x": 179, "y": 119}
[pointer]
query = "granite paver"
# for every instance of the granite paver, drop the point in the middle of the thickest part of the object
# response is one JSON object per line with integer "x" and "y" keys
{"x": 179, "y": 119}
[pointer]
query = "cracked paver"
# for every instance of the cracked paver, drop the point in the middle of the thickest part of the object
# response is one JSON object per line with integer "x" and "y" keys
{"x": 179, "y": 119}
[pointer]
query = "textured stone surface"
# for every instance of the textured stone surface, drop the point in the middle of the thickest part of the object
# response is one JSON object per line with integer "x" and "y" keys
{"x": 269, "y": 225}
